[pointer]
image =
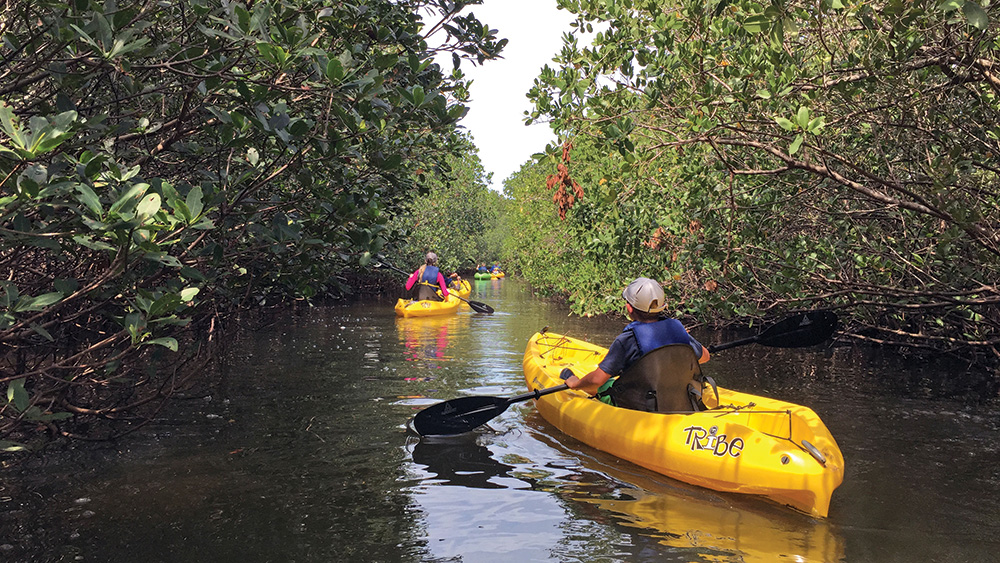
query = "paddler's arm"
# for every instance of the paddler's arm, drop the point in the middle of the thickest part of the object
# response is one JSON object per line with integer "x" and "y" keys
{"x": 412, "y": 280}
{"x": 443, "y": 285}
{"x": 700, "y": 351}
{"x": 589, "y": 383}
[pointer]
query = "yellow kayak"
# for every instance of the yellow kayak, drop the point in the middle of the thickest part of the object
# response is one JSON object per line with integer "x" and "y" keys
{"x": 743, "y": 444}
{"x": 411, "y": 308}
{"x": 465, "y": 289}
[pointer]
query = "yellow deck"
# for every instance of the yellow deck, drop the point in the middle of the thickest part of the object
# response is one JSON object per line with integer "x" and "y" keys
{"x": 411, "y": 308}
{"x": 751, "y": 444}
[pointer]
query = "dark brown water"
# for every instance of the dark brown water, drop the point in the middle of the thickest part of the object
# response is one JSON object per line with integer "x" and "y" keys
{"x": 304, "y": 456}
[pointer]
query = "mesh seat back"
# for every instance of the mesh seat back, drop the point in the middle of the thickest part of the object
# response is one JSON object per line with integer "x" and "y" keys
{"x": 424, "y": 292}
{"x": 659, "y": 381}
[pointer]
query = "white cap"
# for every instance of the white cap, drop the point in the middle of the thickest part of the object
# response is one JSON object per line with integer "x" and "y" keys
{"x": 645, "y": 295}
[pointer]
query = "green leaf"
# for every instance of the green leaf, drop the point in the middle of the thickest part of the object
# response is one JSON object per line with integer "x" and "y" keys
{"x": 785, "y": 124}
{"x": 757, "y": 24}
{"x": 134, "y": 192}
{"x": 163, "y": 258}
{"x": 166, "y": 304}
{"x": 90, "y": 199}
{"x": 192, "y": 274}
{"x": 17, "y": 395}
{"x": 951, "y": 5}
{"x": 10, "y": 126}
{"x": 802, "y": 117}
{"x": 41, "y": 302}
{"x": 166, "y": 341}
{"x": 816, "y": 125}
{"x": 976, "y": 15}
{"x": 195, "y": 202}
{"x": 38, "y": 328}
{"x": 796, "y": 143}
{"x": 148, "y": 206}
{"x": 8, "y": 446}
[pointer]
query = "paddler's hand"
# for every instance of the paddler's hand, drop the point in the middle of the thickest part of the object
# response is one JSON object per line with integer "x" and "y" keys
{"x": 571, "y": 380}
{"x": 589, "y": 383}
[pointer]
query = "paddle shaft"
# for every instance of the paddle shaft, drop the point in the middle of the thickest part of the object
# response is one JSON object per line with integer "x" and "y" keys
{"x": 519, "y": 398}
{"x": 734, "y": 344}
{"x": 537, "y": 393}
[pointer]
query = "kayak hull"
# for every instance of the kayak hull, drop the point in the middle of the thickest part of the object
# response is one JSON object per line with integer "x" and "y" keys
{"x": 411, "y": 308}
{"x": 750, "y": 444}
{"x": 483, "y": 276}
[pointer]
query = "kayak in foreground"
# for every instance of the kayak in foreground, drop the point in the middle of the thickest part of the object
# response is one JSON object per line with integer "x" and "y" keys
{"x": 426, "y": 308}
{"x": 743, "y": 443}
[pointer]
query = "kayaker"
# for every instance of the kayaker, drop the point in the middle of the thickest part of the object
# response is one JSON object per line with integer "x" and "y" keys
{"x": 422, "y": 281}
{"x": 649, "y": 331}
{"x": 482, "y": 268}
{"x": 455, "y": 280}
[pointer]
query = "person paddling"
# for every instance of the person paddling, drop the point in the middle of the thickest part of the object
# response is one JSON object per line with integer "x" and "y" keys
{"x": 649, "y": 332}
{"x": 422, "y": 281}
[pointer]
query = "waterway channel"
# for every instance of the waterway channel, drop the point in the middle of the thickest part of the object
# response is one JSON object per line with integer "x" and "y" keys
{"x": 303, "y": 455}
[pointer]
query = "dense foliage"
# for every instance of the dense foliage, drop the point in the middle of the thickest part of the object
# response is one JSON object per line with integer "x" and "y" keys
{"x": 457, "y": 218}
{"x": 788, "y": 154}
{"x": 163, "y": 163}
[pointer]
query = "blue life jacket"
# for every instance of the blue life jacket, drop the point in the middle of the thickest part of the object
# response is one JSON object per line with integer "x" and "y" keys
{"x": 650, "y": 336}
{"x": 430, "y": 275}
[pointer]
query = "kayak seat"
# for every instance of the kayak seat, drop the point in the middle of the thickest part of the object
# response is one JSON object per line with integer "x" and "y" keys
{"x": 424, "y": 292}
{"x": 667, "y": 379}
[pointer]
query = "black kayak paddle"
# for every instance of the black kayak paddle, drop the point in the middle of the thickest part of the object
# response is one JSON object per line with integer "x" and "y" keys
{"x": 460, "y": 415}
{"x": 456, "y": 416}
{"x": 476, "y": 306}
{"x": 797, "y": 331}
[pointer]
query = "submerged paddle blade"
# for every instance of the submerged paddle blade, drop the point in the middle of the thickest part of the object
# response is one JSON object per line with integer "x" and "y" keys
{"x": 799, "y": 331}
{"x": 458, "y": 415}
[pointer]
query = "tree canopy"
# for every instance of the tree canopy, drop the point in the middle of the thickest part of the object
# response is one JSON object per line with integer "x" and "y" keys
{"x": 164, "y": 163}
{"x": 831, "y": 154}
{"x": 457, "y": 218}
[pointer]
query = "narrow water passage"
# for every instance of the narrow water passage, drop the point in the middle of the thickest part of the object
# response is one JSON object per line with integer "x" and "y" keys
{"x": 304, "y": 456}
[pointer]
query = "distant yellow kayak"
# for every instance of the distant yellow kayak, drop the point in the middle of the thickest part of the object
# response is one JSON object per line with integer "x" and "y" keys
{"x": 743, "y": 444}
{"x": 411, "y": 308}
{"x": 465, "y": 289}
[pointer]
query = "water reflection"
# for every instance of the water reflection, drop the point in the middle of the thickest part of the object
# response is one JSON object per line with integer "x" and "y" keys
{"x": 460, "y": 461}
{"x": 426, "y": 339}
{"x": 701, "y": 524}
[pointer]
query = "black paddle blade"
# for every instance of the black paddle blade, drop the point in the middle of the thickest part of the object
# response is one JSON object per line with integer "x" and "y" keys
{"x": 799, "y": 331}
{"x": 480, "y": 307}
{"x": 458, "y": 415}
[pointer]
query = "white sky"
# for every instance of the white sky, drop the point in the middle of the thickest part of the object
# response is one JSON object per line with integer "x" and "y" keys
{"x": 534, "y": 29}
